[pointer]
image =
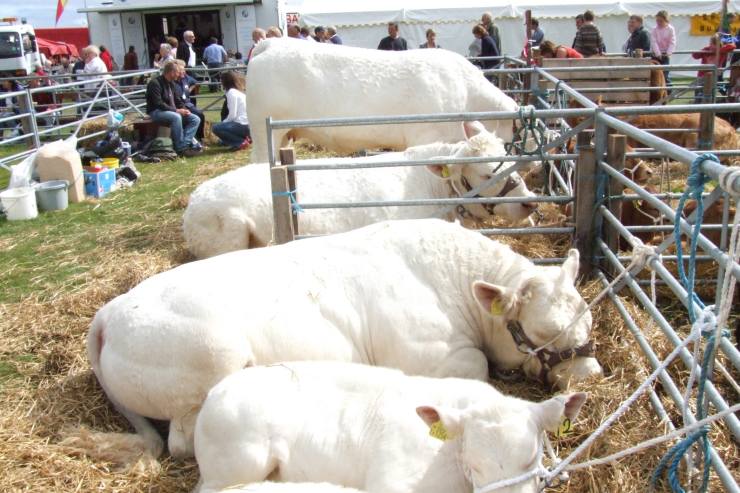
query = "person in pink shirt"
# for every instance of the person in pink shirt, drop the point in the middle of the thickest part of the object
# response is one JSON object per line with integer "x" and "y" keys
{"x": 708, "y": 56}
{"x": 663, "y": 41}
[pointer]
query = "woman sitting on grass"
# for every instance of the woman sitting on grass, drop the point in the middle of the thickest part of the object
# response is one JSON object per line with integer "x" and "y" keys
{"x": 234, "y": 130}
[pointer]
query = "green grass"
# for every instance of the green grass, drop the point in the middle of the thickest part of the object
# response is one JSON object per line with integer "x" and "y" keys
{"x": 58, "y": 250}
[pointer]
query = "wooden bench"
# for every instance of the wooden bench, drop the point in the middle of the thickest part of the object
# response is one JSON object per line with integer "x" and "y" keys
{"x": 640, "y": 77}
{"x": 145, "y": 129}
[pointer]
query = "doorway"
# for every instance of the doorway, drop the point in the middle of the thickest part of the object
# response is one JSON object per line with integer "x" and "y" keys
{"x": 204, "y": 23}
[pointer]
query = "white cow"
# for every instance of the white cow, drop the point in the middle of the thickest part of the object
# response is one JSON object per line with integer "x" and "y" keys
{"x": 271, "y": 487}
{"x": 355, "y": 425}
{"x": 234, "y": 211}
{"x": 424, "y": 296}
{"x": 292, "y": 79}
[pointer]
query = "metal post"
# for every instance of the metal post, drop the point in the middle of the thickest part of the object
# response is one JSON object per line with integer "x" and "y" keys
{"x": 585, "y": 195}
{"x": 615, "y": 154}
{"x": 270, "y": 143}
{"x": 706, "y": 118}
{"x": 29, "y": 125}
{"x": 287, "y": 157}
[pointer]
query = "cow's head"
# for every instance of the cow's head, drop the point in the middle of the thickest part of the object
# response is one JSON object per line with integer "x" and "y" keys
{"x": 464, "y": 178}
{"x": 545, "y": 335}
{"x": 503, "y": 440}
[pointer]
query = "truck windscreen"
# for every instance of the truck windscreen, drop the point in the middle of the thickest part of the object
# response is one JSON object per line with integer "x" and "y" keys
{"x": 10, "y": 45}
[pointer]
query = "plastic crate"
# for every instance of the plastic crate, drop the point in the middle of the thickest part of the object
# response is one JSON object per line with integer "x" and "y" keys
{"x": 99, "y": 184}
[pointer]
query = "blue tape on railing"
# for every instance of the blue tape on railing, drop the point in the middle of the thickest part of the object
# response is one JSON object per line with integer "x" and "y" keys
{"x": 297, "y": 209}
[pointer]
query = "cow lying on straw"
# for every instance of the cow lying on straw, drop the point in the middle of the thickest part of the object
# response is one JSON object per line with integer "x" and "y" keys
{"x": 426, "y": 296}
{"x": 234, "y": 211}
{"x": 368, "y": 427}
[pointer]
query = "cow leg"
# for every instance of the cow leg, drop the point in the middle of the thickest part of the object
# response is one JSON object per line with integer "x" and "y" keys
{"x": 180, "y": 439}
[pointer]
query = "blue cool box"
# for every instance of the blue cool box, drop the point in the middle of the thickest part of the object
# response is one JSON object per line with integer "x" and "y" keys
{"x": 99, "y": 184}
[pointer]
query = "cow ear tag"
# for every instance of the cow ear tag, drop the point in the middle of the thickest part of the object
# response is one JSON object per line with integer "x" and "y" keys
{"x": 438, "y": 431}
{"x": 445, "y": 171}
{"x": 496, "y": 308}
{"x": 565, "y": 428}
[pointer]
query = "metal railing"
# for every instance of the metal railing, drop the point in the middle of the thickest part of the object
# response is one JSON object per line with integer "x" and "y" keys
{"x": 592, "y": 178}
{"x": 69, "y": 104}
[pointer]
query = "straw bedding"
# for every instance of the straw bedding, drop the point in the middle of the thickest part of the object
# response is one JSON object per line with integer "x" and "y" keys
{"x": 50, "y": 403}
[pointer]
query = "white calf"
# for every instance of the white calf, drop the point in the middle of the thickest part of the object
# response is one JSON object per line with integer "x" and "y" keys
{"x": 355, "y": 425}
{"x": 290, "y": 79}
{"x": 424, "y": 296}
{"x": 234, "y": 211}
{"x": 270, "y": 487}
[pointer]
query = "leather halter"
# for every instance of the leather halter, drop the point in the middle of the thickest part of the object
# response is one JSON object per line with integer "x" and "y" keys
{"x": 510, "y": 184}
{"x": 547, "y": 357}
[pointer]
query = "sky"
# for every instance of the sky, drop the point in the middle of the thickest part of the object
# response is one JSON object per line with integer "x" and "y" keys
{"x": 41, "y": 13}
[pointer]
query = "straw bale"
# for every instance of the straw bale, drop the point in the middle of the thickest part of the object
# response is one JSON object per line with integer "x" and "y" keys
{"x": 52, "y": 408}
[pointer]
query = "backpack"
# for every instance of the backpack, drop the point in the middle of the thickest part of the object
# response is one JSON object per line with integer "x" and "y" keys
{"x": 160, "y": 147}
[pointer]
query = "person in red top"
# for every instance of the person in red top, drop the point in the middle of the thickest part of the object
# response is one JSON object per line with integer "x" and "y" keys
{"x": 708, "y": 56}
{"x": 549, "y": 50}
{"x": 107, "y": 58}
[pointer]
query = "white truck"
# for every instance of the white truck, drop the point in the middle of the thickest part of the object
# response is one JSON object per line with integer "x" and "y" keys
{"x": 19, "y": 52}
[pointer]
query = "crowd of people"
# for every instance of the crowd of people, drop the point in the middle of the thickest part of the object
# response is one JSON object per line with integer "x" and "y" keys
{"x": 171, "y": 97}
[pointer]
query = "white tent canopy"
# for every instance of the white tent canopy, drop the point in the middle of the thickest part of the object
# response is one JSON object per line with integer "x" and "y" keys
{"x": 364, "y": 23}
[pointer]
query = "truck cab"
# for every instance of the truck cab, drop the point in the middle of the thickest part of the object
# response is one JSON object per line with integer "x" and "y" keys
{"x": 19, "y": 52}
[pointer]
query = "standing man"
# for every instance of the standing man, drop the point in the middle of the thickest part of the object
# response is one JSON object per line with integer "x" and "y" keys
{"x": 393, "y": 42}
{"x": 319, "y": 34}
{"x": 588, "y": 38}
{"x": 639, "y": 37}
{"x": 215, "y": 56}
{"x": 579, "y": 23}
{"x": 663, "y": 42}
{"x": 538, "y": 35}
{"x": 130, "y": 62}
{"x": 164, "y": 107}
{"x": 487, "y": 21}
{"x": 333, "y": 36}
{"x": 294, "y": 31}
{"x": 257, "y": 35}
{"x": 186, "y": 50}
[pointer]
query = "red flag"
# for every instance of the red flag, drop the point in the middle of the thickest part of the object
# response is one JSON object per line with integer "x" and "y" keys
{"x": 60, "y": 9}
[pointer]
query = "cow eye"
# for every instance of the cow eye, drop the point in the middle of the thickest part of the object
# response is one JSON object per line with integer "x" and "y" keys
{"x": 487, "y": 177}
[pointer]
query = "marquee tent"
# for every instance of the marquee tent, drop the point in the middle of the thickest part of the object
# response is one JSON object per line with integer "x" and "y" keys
{"x": 364, "y": 23}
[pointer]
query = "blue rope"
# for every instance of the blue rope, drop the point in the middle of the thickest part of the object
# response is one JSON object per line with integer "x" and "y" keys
{"x": 695, "y": 186}
{"x": 295, "y": 206}
{"x": 671, "y": 460}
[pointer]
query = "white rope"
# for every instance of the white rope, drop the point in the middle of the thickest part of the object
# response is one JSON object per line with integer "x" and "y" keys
{"x": 730, "y": 176}
{"x": 621, "y": 409}
{"x": 563, "y": 466}
{"x": 642, "y": 255}
{"x": 654, "y": 441}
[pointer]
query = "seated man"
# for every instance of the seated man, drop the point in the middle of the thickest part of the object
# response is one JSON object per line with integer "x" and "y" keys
{"x": 165, "y": 107}
{"x": 185, "y": 86}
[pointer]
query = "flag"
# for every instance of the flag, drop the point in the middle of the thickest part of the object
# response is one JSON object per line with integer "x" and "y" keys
{"x": 60, "y": 9}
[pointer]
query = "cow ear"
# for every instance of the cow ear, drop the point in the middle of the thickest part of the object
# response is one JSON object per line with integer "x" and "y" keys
{"x": 569, "y": 270}
{"x": 444, "y": 423}
{"x": 552, "y": 414}
{"x": 444, "y": 171}
{"x": 496, "y": 300}
{"x": 471, "y": 129}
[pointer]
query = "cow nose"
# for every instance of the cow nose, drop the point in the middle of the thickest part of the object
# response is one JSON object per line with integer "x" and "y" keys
{"x": 530, "y": 205}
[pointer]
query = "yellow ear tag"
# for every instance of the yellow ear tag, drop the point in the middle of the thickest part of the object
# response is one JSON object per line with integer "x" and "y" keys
{"x": 496, "y": 308}
{"x": 445, "y": 171}
{"x": 438, "y": 431}
{"x": 565, "y": 428}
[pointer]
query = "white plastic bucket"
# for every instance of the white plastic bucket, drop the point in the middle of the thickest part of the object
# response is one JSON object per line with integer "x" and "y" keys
{"x": 19, "y": 203}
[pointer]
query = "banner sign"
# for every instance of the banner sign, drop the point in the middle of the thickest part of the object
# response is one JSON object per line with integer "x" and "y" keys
{"x": 708, "y": 24}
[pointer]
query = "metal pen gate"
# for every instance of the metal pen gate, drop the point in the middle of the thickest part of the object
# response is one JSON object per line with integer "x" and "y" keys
{"x": 596, "y": 191}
